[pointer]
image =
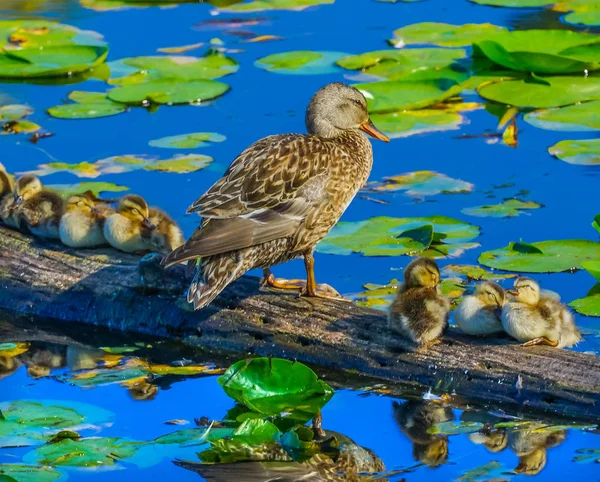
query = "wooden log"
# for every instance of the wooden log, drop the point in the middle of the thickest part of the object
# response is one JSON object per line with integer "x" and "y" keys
{"x": 115, "y": 290}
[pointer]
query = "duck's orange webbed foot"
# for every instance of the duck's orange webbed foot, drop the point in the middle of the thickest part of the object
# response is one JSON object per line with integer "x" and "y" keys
{"x": 281, "y": 283}
{"x": 542, "y": 340}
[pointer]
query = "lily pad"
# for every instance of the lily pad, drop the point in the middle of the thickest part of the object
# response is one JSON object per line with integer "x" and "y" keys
{"x": 66, "y": 190}
{"x": 28, "y": 473}
{"x": 412, "y": 122}
{"x": 387, "y": 236}
{"x": 542, "y": 256}
{"x": 552, "y": 92}
{"x": 491, "y": 470}
{"x": 89, "y": 452}
{"x": 168, "y": 92}
{"x": 588, "y": 306}
{"x": 20, "y": 127}
{"x": 541, "y": 51}
{"x": 264, "y": 5}
{"x": 476, "y": 273}
{"x": 14, "y": 112}
{"x": 87, "y": 111}
{"x": 272, "y": 386}
{"x": 516, "y": 3}
{"x": 301, "y": 62}
{"x": 596, "y": 223}
{"x": 591, "y": 18}
{"x": 188, "y": 141}
{"x": 443, "y": 34}
{"x": 578, "y": 117}
{"x": 396, "y": 95}
{"x": 455, "y": 428}
{"x": 580, "y": 152}
{"x": 43, "y": 33}
{"x": 9, "y": 350}
{"x": 507, "y": 209}
{"x": 420, "y": 183}
{"x": 194, "y": 436}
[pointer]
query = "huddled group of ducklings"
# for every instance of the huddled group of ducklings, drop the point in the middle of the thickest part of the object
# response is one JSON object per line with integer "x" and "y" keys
{"x": 84, "y": 220}
{"x": 530, "y": 315}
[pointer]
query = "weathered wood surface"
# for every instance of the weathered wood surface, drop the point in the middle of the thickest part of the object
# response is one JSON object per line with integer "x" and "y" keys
{"x": 106, "y": 288}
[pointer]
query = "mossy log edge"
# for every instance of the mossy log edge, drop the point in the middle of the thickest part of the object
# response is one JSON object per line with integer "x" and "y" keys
{"x": 118, "y": 291}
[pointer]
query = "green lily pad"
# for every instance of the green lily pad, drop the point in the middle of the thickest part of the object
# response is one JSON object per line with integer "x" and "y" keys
{"x": 9, "y": 350}
{"x": 578, "y": 117}
{"x": 491, "y": 470}
{"x": 272, "y": 386}
{"x": 180, "y": 164}
{"x": 541, "y": 51}
{"x": 516, "y": 3}
{"x": 168, "y": 92}
{"x": 545, "y": 257}
{"x": 194, "y": 436}
{"x": 396, "y": 95}
{"x": 97, "y": 188}
{"x": 591, "y": 18}
{"x": 265, "y": 5}
{"x": 596, "y": 223}
{"x": 561, "y": 91}
{"x": 188, "y": 141}
{"x": 86, "y": 97}
{"x": 301, "y": 62}
{"x": 43, "y": 33}
{"x": 20, "y": 127}
{"x": 386, "y": 236}
{"x": 507, "y": 209}
{"x": 421, "y": 183}
{"x": 90, "y": 452}
{"x": 87, "y": 111}
{"x": 476, "y": 273}
{"x": 412, "y": 122}
{"x": 27, "y": 473}
{"x": 14, "y": 112}
{"x": 580, "y": 152}
{"x": 443, "y": 34}
{"x": 454, "y": 428}
{"x": 588, "y": 306}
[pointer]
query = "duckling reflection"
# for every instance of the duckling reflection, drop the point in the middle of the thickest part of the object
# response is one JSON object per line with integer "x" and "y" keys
{"x": 142, "y": 390}
{"x": 531, "y": 446}
{"x": 415, "y": 418}
{"x": 42, "y": 358}
{"x": 9, "y": 365}
{"x": 494, "y": 440}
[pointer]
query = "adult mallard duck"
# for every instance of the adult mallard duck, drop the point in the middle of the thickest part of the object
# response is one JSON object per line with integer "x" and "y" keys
{"x": 280, "y": 197}
{"x": 479, "y": 313}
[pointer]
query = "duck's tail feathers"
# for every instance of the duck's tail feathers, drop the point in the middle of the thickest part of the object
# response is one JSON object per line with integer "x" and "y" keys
{"x": 212, "y": 275}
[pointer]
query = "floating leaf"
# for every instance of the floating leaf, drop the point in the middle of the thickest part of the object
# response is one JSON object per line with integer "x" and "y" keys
{"x": 580, "y": 152}
{"x": 20, "y": 127}
{"x": 90, "y": 452}
{"x": 550, "y": 257}
{"x": 390, "y": 96}
{"x": 507, "y": 209}
{"x": 43, "y": 33}
{"x": 194, "y": 436}
{"x": 9, "y": 350}
{"x": 188, "y": 141}
{"x": 377, "y": 296}
{"x": 578, "y": 117}
{"x": 411, "y": 122}
{"x": 27, "y": 473}
{"x": 584, "y": 18}
{"x": 476, "y": 273}
{"x": 62, "y": 435}
{"x": 272, "y": 385}
{"x": 421, "y": 183}
{"x": 168, "y": 92}
{"x": 454, "y": 428}
{"x": 443, "y": 34}
{"x": 14, "y": 112}
{"x": 180, "y": 50}
{"x": 516, "y": 3}
{"x": 118, "y": 350}
{"x": 264, "y": 5}
{"x": 487, "y": 471}
{"x": 301, "y": 62}
{"x": 596, "y": 223}
{"x": 593, "y": 268}
{"x": 588, "y": 306}
{"x": 87, "y": 110}
{"x": 561, "y": 91}
{"x": 386, "y": 236}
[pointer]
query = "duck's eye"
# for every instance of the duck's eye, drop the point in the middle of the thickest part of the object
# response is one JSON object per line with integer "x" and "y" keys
{"x": 357, "y": 102}
{"x": 135, "y": 211}
{"x": 80, "y": 203}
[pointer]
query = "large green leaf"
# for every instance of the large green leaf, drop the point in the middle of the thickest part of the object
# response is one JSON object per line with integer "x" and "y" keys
{"x": 188, "y": 141}
{"x": 421, "y": 183}
{"x": 396, "y": 95}
{"x": 543, "y": 256}
{"x": 578, "y": 117}
{"x": 28, "y": 473}
{"x": 43, "y": 33}
{"x": 541, "y": 51}
{"x": 477, "y": 273}
{"x": 411, "y": 122}
{"x": 591, "y": 18}
{"x": 13, "y": 112}
{"x": 87, "y": 110}
{"x": 168, "y": 92}
{"x": 560, "y": 91}
{"x": 194, "y": 436}
{"x": 593, "y": 268}
{"x": 588, "y": 306}
{"x": 301, "y": 62}
{"x": 443, "y": 34}
{"x": 386, "y": 236}
{"x": 272, "y": 386}
{"x": 90, "y": 452}
{"x": 581, "y": 152}
{"x": 507, "y": 209}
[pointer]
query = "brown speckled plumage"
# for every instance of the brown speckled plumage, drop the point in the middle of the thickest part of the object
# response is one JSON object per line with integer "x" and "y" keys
{"x": 281, "y": 195}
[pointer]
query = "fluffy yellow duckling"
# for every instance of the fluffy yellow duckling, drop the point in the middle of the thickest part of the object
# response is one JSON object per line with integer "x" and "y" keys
{"x": 123, "y": 229}
{"x": 534, "y": 319}
{"x": 166, "y": 237}
{"x": 82, "y": 225}
{"x": 420, "y": 312}
{"x": 6, "y": 182}
{"x": 479, "y": 314}
{"x": 34, "y": 208}
{"x": 7, "y": 215}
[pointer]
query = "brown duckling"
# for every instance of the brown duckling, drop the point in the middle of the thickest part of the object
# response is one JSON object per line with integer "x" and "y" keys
{"x": 534, "y": 319}
{"x": 82, "y": 225}
{"x": 35, "y": 208}
{"x": 6, "y": 182}
{"x": 123, "y": 229}
{"x": 166, "y": 236}
{"x": 7, "y": 197}
{"x": 420, "y": 312}
{"x": 479, "y": 314}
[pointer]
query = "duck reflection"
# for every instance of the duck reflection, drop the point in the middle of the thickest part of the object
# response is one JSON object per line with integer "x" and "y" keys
{"x": 415, "y": 418}
{"x": 42, "y": 358}
{"x": 531, "y": 445}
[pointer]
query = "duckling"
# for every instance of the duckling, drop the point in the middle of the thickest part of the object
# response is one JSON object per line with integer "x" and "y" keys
{"x": 420, "y": 312}
{"x": 35, "y": 208}
{"x": 531, "y": 447}
{"x": 123, "y": 229}
{"x": 82, "y": 225}
{"x": 6, "y": 182}
{"x": 479, "y": 314}
{"x": 8, "y": 214}
{"x": 538, "y": 320}
{"x": 166, "y": 237}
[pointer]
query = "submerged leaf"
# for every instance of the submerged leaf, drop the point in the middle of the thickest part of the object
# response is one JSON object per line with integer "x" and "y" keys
{"x": 421, "y": 183}
{"x": 476, "y": 273}
{"x": 508, "y": 208}
{"x": 578, "y": 117}
{"x": 14, "y": 112}
{"x": 188, "y": 141}
{"x": 90, "y": 452}
{"x": 454, "y": 428}
{"x": 411, "y": 122}
{"x": 581, "y": 152}
{"x": 263, "y": 5}
{"x": 28, "y": 473}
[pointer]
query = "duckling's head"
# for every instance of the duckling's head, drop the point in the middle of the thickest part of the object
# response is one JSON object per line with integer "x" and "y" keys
{"x": 491, "y": 294}
{"x": 26, "y": 188}
{"x": 422, "y": 273}
{"x": 336, "y": 108}
{"x": 526, "y": 291}
{"x": 135, "y": 209}
{"x": 2, "y": 168}
{"x": 434, "y": 453}
{"x": 84, "y": 203}
{"x": 533, "y": 463}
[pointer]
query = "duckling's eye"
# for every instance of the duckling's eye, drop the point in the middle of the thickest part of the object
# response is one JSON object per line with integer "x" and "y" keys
{"x": 80, "y": 203}
{"x": 135, "y": 211}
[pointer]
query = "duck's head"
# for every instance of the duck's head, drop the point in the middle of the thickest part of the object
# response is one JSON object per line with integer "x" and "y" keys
{"x": 85, "y": 203}
{"x": 532, "y": 463}
{"x": 422, "y": 273}
{"x": 135, "y": 208}
{"x": 336, "y": 108}
{"x": 26, "y": 188}
{"x": 491, "y": 294}
{"x": 525, "y": 290}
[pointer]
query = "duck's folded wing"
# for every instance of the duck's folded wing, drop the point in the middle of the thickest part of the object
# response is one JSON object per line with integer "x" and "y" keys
{"x": 217, "y": 236}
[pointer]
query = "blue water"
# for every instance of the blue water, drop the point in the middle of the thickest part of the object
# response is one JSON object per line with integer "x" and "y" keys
{"x": 262, "y": 103}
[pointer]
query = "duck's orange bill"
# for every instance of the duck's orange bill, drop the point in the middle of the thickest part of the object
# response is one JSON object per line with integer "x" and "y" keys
{"x": 370, "y": 129}
{"x": 513, "y": 292}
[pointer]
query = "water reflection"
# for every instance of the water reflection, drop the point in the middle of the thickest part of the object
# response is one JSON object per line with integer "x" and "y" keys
{"x": 531, "y": 446}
